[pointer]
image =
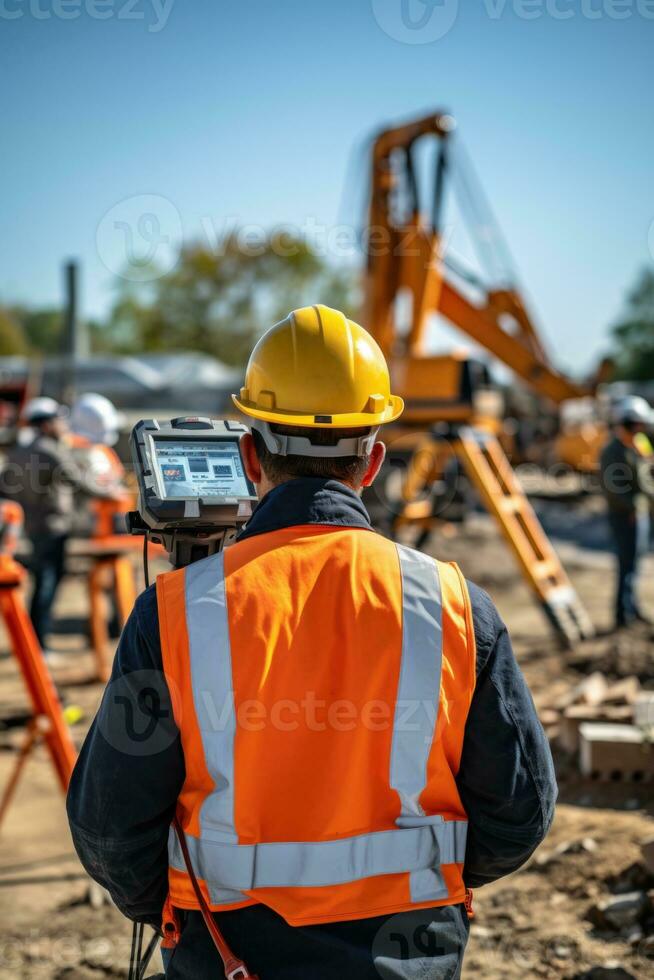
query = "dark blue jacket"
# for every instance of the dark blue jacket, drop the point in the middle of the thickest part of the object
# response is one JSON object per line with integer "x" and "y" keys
{"x": 131, "y": 769}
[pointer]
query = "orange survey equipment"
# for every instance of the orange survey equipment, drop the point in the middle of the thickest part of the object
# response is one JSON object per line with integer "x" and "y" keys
{"x": 47, "y": 723}
{"x": 322, "y": 726}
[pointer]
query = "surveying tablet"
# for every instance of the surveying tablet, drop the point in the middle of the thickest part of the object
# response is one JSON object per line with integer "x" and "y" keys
{"x": 193, "y": 491}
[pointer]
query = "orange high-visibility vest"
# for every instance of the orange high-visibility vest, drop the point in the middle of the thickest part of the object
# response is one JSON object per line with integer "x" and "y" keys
{"x": 12, "y": 519}
{"x": 108, "y": 514}
{"x": 321, "y": 678}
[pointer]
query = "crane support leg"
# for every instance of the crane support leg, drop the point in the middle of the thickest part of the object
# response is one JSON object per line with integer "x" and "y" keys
{"x": 499, "y": 488}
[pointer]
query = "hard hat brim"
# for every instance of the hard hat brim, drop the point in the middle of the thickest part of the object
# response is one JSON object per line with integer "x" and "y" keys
{"x": 349, "y": 420}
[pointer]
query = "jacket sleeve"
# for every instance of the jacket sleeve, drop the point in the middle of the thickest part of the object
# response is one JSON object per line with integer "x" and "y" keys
{"x": 129, "y": 774}
{"x": 506, "y": 777}
{"x": 66, "y": 470}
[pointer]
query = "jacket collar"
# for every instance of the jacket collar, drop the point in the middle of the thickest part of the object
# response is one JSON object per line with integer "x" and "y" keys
{"x": 307, "y": 501}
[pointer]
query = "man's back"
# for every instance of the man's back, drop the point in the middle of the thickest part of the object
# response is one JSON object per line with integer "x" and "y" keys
{"x": 324, "y": 644}
{"x": 504, "y": 779}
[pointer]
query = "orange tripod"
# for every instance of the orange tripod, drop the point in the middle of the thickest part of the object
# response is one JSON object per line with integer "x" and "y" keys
{"x": 111, "y": 571}
{"x": 47, "y": 724}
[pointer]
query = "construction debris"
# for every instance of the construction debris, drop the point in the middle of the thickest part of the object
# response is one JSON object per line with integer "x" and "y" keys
{"x": 609, "y": 724}
{"x": 621, "y": 912}
{"x": 587, "y": 844}
{"x": 591, "y": 691}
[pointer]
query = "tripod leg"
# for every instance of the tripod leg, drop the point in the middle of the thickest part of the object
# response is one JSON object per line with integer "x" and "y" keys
{"x": 125, "y": 587}
{"x": 99, "y": 632}
{"x": 31, "y": 738}
{"x": 41, "y": 690}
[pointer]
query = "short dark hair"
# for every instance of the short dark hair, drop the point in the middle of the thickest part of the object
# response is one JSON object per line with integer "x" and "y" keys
{"x": 279, "y": 469}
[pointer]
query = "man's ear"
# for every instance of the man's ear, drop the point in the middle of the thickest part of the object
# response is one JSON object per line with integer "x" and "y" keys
{"x": 250, "y": 458}
{"x": 377, "y": 457}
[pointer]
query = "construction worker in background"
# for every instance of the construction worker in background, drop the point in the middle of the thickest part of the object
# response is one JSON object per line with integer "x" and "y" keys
{"x": 42, "y": 476}
{"x": 626, "y": 466}
{"x": 94, "y": 430}
{"x": 337, "y": 721}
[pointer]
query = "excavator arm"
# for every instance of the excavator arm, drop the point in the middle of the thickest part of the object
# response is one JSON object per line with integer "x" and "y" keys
{"x": 406, "y": 255}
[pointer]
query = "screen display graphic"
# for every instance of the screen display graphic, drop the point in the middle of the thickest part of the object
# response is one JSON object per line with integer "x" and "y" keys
{"x": 200, "y": 469}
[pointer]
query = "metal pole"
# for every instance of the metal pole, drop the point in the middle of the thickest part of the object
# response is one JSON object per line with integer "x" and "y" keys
{"x": 74, "y": 334}
{"x": 439, "y": 187}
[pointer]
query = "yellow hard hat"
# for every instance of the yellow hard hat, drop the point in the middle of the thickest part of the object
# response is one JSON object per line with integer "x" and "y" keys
{"x": 319, "y": 369}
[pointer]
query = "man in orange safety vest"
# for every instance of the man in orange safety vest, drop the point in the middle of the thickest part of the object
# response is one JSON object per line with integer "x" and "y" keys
{"x": 338, "y": 723}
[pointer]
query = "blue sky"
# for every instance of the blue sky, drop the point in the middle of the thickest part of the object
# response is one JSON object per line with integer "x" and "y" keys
{"x": 251, "y": 112}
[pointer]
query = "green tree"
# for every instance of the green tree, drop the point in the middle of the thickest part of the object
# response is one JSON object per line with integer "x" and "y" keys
{"x": 217, "y": 300}
{"x": 634, "y": 334}
{"x": 12, "y": 337}
{"x": 42, "y": 328}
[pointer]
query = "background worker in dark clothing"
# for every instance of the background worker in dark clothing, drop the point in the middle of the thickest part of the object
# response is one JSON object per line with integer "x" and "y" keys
{"x": 41, "y": 474}
{"x": 135, "y": 767}
{"x": 628, "y": 483}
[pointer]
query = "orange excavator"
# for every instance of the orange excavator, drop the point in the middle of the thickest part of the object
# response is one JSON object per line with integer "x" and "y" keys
{"x": 451, "y": 416}
{"x": 407, "y": 253}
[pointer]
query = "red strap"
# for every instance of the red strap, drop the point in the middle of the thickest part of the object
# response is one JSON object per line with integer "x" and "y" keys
{"x": 235, "y": 969}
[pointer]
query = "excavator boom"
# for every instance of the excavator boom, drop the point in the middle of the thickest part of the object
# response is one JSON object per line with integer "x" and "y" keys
{"x": 406, "y": 254}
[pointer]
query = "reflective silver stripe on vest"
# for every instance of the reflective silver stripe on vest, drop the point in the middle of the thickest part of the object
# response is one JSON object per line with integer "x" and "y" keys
{"x": 313, "y": 865}
{"x": 213, "y": 697}
{"x": 418, "y": 697}
{"x": 218, "y": 895}
{"x": 420, "y": 844}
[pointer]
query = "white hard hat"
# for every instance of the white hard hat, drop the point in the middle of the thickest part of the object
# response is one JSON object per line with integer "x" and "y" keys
{"x": 632, "y": 408}
{"x": 95, "y": 418}
{"x": 41, "y": 410}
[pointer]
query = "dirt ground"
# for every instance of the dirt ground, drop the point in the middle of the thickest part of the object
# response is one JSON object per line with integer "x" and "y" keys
{"x": 533, "y": 924}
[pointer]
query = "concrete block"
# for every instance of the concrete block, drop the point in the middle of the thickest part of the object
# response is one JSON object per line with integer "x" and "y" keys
{"x": 612, "y": 751}
{"x": 576, "y": 714}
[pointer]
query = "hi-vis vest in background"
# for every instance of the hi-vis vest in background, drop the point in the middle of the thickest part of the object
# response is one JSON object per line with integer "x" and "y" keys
{"x": 321, "y": 678}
